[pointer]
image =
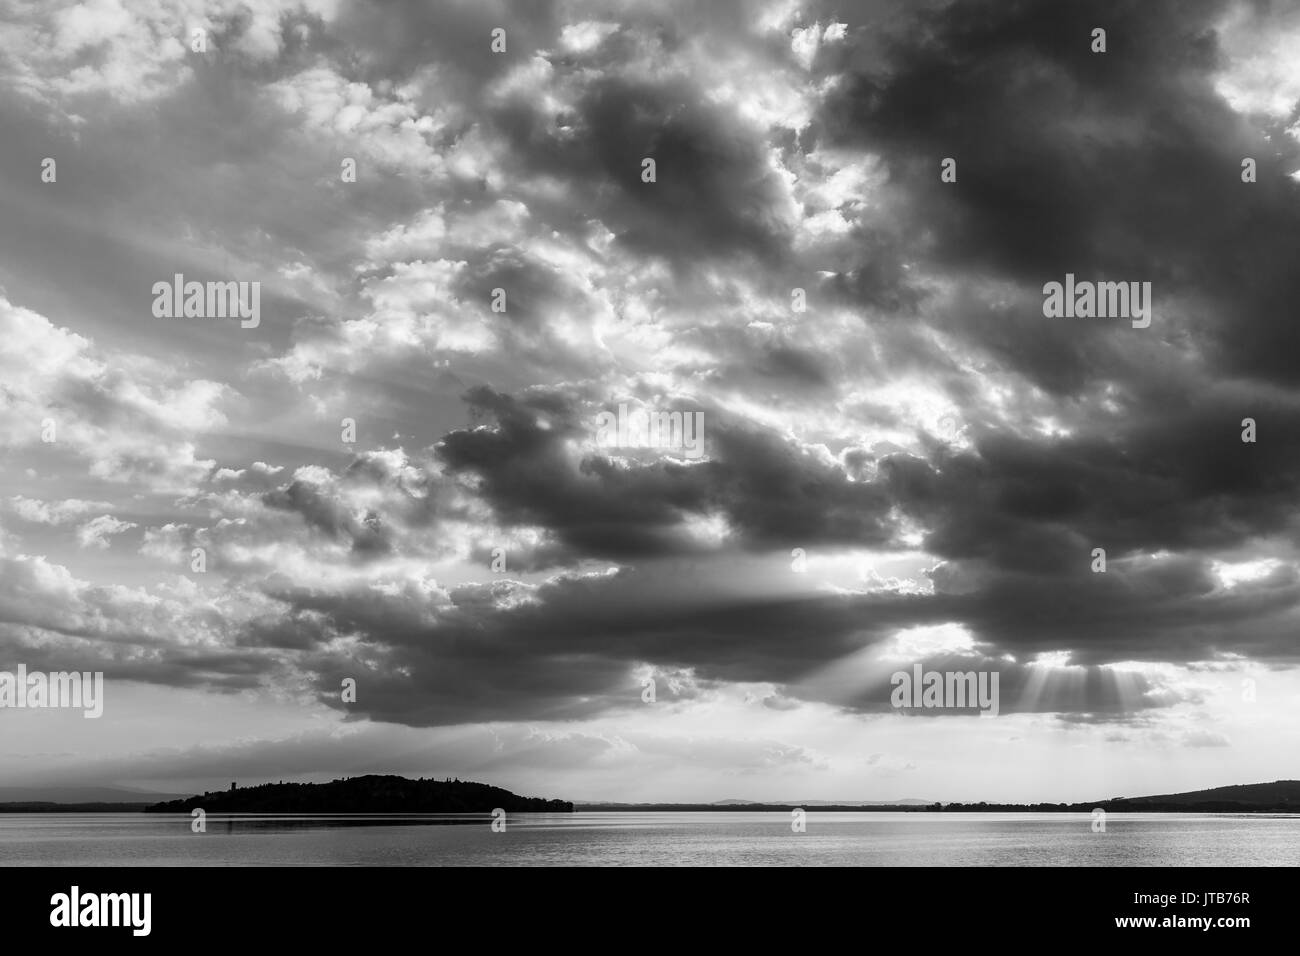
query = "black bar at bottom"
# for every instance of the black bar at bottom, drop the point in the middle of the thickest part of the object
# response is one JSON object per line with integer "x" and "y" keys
{"x": 329, "y": 906}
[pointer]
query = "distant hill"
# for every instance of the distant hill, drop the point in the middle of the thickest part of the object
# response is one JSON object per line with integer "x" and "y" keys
{"x": 368, "y": 794}
{"x": 82, "y": 795}
{"x": 1277, "y": 792}
{"x": 1280, "y": 796}
{"x": 47, "y": 807}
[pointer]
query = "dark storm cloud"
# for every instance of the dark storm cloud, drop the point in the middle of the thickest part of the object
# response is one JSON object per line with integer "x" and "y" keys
{"x": 497, "y": 652}
{"x": 373, "y": 505}
{"x": 714, "y": 191}
{"x": 1178, "y": 477}
{"x": 782, "y": 371}
{"x": 393, "y": 40}
{"x": 1027, "y": 504}
{"x": 366, "y": 533}
{"x": 1119, "y": 165}
{"x": 567, "y": 649}
{"x": 1169, "y": 610}
{"x": 771, "y": 491}
{"x": 295, "y": 631}
{"x": 1016, "y": 518}
{"x": 714, "y": 195}
{"x": 596, "y": 508}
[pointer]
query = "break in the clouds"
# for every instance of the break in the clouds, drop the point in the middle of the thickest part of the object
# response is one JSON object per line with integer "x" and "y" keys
{"x": 822, "y": 232}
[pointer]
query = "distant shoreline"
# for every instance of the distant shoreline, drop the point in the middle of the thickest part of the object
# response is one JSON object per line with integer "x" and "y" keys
{"x": 1110, "y": 806}
{"x": 383, "y": 795}
{"x": 50, "y": 807}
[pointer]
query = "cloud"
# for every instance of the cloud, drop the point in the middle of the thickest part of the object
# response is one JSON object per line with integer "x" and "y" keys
{"x": 96, "y": 532}
{"x": 70, "y": 52}
{"x": 53, "y": 512}
{"x": 126, "y": 417}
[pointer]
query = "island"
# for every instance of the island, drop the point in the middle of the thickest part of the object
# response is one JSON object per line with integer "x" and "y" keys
{"x": 368, "y": 794}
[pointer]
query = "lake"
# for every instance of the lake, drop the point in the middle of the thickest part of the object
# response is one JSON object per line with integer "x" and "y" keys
{"x": 644, "y": 839}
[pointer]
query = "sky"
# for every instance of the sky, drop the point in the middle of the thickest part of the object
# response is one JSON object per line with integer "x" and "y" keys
{"x": 379, "y": 529}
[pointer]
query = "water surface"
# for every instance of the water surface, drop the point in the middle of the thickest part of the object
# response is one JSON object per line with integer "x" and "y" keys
{"x": 644, "y": 839}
